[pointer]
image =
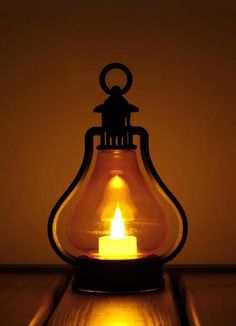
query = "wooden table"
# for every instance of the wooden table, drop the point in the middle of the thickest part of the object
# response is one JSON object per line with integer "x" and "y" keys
{"x": 43, "y": 296}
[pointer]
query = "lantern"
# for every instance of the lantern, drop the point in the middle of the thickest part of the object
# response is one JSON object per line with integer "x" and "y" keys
{"x": 117, "y": 223}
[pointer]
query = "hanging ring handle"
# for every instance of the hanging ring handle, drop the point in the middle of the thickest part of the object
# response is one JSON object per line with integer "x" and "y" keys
{"x": 106, "y": 69}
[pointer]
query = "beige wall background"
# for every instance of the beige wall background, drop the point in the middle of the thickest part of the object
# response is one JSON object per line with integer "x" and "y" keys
{"x": 182, "y": 55}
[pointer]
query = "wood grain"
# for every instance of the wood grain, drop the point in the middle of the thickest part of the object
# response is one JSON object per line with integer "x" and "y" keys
{"x": 210, "y": 298}
{"x": 116, "y": 310}
{"x": 27, "y": 299}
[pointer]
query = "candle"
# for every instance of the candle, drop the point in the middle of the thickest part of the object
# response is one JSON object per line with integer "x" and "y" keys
{"x": 117, "y": 245}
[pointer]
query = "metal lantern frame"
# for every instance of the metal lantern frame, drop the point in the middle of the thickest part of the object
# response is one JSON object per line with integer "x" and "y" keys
{"x": 115, "y": 135}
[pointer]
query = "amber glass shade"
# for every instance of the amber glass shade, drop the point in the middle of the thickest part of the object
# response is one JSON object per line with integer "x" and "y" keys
{"x": 119, "y": 187}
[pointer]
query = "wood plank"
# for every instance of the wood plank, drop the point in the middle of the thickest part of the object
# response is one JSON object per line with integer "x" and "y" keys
{"x": 116, "y": 310}
{"x": 210, "y": 298}
{"x": 27, "y": 299}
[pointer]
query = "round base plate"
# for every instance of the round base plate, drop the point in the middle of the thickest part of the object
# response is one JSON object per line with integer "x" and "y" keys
{"x": 118, "y": 276}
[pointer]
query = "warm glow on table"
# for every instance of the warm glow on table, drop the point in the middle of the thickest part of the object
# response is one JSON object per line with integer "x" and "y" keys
{"x": 117, "y": 246}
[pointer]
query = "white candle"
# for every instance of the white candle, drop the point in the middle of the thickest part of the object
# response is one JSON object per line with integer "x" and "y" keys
{"x": 117, "y": 246}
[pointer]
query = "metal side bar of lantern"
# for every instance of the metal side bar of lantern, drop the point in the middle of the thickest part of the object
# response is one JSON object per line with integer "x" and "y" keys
{"x": 63, "y": 200}
{"x": 144, "y": 148}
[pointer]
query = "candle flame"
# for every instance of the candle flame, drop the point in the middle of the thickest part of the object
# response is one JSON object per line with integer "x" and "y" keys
{"x": 117, "y": 224}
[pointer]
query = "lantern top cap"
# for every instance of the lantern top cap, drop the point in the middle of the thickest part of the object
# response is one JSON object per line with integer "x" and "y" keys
{"x": 116, "y": 112}
{"x": 115, "y": 106}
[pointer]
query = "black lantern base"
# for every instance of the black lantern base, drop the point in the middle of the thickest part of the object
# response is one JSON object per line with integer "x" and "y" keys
{"x": 118, "y": 276}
